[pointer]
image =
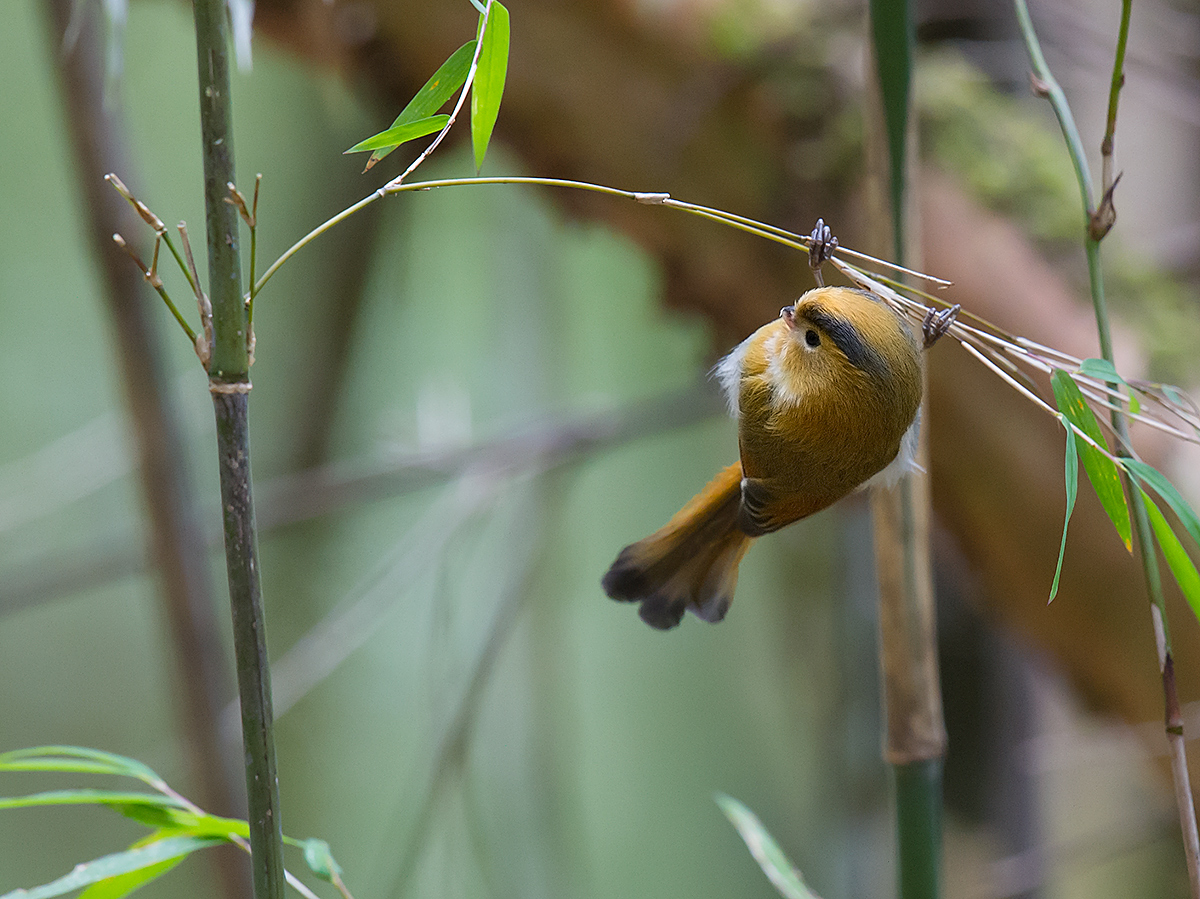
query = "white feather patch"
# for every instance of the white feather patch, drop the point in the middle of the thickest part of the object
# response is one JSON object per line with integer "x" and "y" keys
{"x": 728, "y": 373}
{"x": 782, "y": 395}
{"x": 905, "y": 461}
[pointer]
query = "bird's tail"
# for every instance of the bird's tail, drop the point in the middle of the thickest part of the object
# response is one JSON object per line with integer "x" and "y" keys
{"x": 689, "y": 563}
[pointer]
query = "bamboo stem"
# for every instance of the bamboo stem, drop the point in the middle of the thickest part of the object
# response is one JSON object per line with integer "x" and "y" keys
{"x": 228, "y": 368}
{"x": 915, "y": 736}
{"x": 1093, "y": 234}
{"x": 173, "y": 532}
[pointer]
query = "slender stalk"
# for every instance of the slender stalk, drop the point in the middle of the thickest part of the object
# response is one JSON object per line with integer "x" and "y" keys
{"x": 915, "y": 737}
{"x": 173, "y": 530}
{"x": 1158, "y": 612}
{"x": 249, "y": 637}
{"x": 1046, "y": 85}
{"x": 1108, "y": 145}
{"x": 918, "y": 788}
{"x": 228, "y": 370}
{"x": 742, "y": 223}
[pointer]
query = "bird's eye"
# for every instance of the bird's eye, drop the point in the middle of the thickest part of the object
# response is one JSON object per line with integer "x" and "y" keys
{"x": 812, "y": 338}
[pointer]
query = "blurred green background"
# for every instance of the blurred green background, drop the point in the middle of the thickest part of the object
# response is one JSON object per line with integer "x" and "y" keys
{"x": 592, "y": 745}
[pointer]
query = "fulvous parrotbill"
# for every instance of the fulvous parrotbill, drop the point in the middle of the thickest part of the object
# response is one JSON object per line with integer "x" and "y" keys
{"x": 826, "y": 398}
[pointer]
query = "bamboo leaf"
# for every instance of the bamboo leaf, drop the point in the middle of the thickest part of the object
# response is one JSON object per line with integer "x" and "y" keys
{"x": 450, "y": 76}
{"x": 89, "y": 797}
{"x": 1101, "y": 470}
{"x": 1176, "y": 396}
{"x": 1177, "y": 558}
{"x": 105, "y": 867}
{"x": 774, "y": 863}
{"x": 319, "y": 858}
{"x": 1156, "y": 480}
{"x": 1101, "y": 370}
{"x": 399, "y": 134}
{"x": 1071, "y": 464}
{"x": 76, "y": 759}
{"x": 151, "y": 809}
{"x": 489, "y": 80}
{"x": 123, "y": 884}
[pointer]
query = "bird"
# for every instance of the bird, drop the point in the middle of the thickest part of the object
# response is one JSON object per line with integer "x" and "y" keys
{"x": 827, "y": 399}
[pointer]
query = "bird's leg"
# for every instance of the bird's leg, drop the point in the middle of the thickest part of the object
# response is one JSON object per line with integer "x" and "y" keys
{"x": 938, "y": 323}
{"x": 821, "y": 247}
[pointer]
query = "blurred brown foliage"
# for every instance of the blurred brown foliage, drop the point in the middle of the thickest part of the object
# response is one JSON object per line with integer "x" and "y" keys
{"x": 596, "y": 93}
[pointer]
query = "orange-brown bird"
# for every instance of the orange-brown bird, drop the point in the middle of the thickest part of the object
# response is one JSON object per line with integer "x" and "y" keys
{"x": 826, "y": 398}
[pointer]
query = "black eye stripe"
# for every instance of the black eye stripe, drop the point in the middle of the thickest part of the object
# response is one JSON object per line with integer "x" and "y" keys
{"x": 848, "y": 339}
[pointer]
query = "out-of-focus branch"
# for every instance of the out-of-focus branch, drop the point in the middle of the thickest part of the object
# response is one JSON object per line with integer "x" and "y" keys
{"x": 330, "y": 489}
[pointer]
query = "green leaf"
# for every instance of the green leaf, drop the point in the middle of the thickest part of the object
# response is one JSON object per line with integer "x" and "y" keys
{"x": 450, "y": 76}
{"x": 1071, "y": 463}
{"x": 1100, "y": 469}
{"x": 1155, "y": 479}
{"x": 1177, "y": 558}
{"x": 151, "y": 809}
{"x": 489, "y": 80}
{"x": 110, "y": 798}
{"x": 135, "y": 859}
{"x": 145, "y": 808}
{"x": 183, "y": 821}
{"x": 1101, "y": 370}
{"x": 212, "y": 826}
{"x": 398, "y": 134}
{"x": 1177, "y": 396}
{"x": 76, "y": 759}
{"x": 319, "y": 858}
{"x": 123, "y": 884}
{"x": 765, "y": 850}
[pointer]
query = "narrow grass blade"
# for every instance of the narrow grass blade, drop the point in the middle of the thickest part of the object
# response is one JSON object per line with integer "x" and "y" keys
{"x": 1100, "y": 469}
{"x": 135, "y": 859}
{"x": 774, "y": 863}
{"x": 1177, "y": 558}
{"x": 1071, "y": 464}
{"x": 450, "y": 76}
{"x": 489, "y": 81}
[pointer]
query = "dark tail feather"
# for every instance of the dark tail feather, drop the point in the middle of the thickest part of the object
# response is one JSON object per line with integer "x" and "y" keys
{"x": 689, "y": 563}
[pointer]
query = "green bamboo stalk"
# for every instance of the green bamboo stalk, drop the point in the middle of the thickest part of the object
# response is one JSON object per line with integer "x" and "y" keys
{"x": 175, "y": 538}
{"x": 1096, "y": 225}
{"x": 918, "y": 787}
{"x": 1108, "y": 145}
{"x": 893, "y": 33}
{"x": 229, "y": 382}
{"x": 915, "y": 737}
